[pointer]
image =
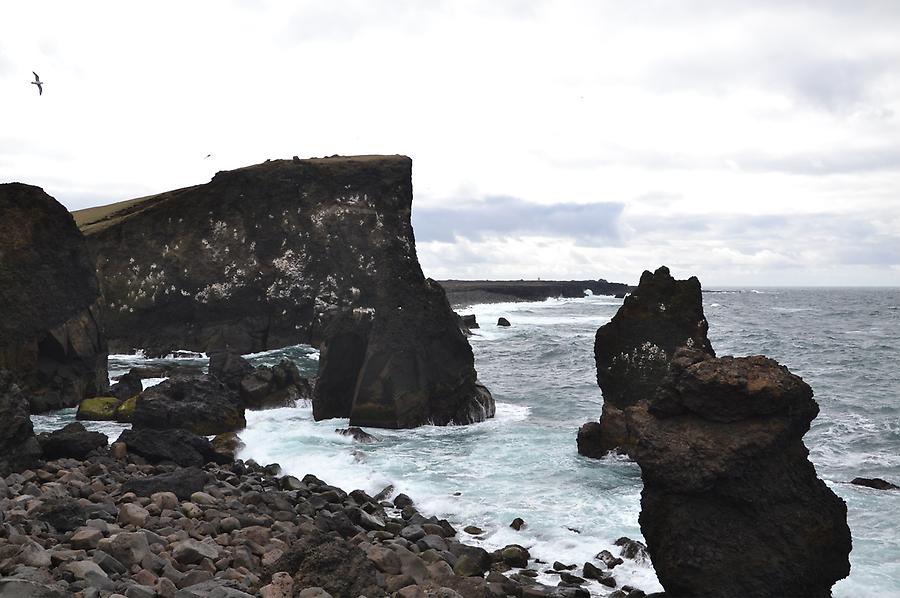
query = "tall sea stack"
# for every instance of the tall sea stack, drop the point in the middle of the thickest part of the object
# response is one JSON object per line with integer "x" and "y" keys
{"x": 50, "y": 333}
{"x": 731, "y": 505}
{"x": 314, "y": 251}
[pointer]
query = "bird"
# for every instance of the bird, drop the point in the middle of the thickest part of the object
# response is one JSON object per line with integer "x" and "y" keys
{"x": 207, "y": 156}
{"x": 37, "y": 81}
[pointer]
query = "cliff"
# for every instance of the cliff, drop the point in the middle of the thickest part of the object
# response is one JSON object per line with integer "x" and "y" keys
{"x": 293, "y": 251}
{"x": 50, "y": 334}
{"x": 468, "y": 292}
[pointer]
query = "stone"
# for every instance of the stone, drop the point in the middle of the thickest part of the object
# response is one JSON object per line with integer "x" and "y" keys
{"x": 384, "y": 559}
{"x": 632, "y": 352}
{"x": 22, "y": 588}
{"x": 72, "y": 441}
{"x": 125, "y": 411}
{"x": 515, "y": 555}
{"x": 164, "y": 500}
{"x": 472, "y": 561}
{"x": 607, "y": 558}
{"x": 178, "y": 446}
{"x": 182, "y": 482}
{"x": 357, "y": 434}
{"x": 501, "y": 321}
{"x": 282, "y": 586}
{"x": 876, "y": 483}
{"x": 129, "y": 385}
{"x": 517, "y": 523}
{"x": 632, "y": 549}
{"x": 86, "y": 538}
{"x": 50, "y": 332}
{"x": 189, "y": 552}
{"x": 202, "y": 405}
{"x": 19, "y": 448}
{"x": 80, "y": 569}
{"x": 98, "y": 409}
{"x": 133, "y": 514}
{"x": 63, "y": 513}
{"x": 129, "y": 548}
{"x": 313, "y": 593}
{"x": 723, "y": 464}
{"x": 228, "y": 445}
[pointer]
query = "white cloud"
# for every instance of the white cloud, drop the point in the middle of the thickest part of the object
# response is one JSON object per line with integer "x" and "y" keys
{"x": 729, "y": 111}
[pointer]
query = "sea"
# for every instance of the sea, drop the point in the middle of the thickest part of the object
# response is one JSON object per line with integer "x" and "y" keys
{"x": 845, "y": 342}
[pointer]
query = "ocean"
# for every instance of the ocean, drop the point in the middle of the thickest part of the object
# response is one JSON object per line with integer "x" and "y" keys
{"x": 523, "y": 463}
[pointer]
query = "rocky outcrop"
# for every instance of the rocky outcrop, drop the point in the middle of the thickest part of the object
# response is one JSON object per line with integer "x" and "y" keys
{"x": 470, "y": 292}
{"x": 633, "y": 350}
{"x": 280, "y": 385}
{"x": 72, "y": 441}
{"x": 19, "y": 449}
{"x": 287, "y": 252}
{"x": 876, "y": 483}
{"x": 175, "y": 446}
{"x": 731, "y": 505}
{"x": 202, "y": 405}
{"x": 50, "y": 332}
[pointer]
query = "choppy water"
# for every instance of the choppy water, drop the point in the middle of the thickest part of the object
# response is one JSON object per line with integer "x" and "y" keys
{"x": 844, "y": 342}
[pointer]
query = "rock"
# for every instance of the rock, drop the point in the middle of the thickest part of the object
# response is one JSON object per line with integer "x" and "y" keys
{"x": 876, "y": 483}
{"x": 502, "y": 322}
{"x": 632, "y": 549}
{"x": 118, "y": 450}
{"x": 133, "y": 514}
{"x": 125, "y": 411}
{"x": 64, "y": 514}
{"x": 50, "y": 332}
{"x": 178, "y": 446}
{"x": 19, "y": 449}
{"x": 211, "y": 268}
{"x": 189, "y": 552}
{"x": 86, "y": 538}
{"x": 472, "y": 561}
{"x": 473, "y": 531}
{"x": 282, "y": 586}
{"x": 727, "y": 480}
{"x": 278, "y": 386}
{"x": 21, "y": 588}
{"x": 591, "y": 571}
{"x": 98, "y": 409}
{"x": 81, "y": 569}
{"x": 632, "y": 352}
{"x": 357, "y": 434}
{"x": 607, "y": 558}
{"x": 515, "y": 555}
{"x": 72, "y": 441}
{"x": 229, "y": 367}
{"x": 129, "y": 548}
{"x": 228, "y": 445}
{"x": 401, "y": 366}
{"x": 182, "y": 482}
{"x": 210, "y": 588}
{"x": 127, "y": 386}
{"x": 384, "y": 559}
{"x": 202, "y": 405}
{"x": 517, "y": 523}
{"x": 331, "y": 563}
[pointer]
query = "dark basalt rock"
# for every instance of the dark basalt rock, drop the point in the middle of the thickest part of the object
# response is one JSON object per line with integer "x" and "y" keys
{"x": 64, "y": 514}
{"x": 329, "y": 562}
{"x": 357, "y": 434}
{"x": 287, "y": 252}
{"x": 177, "y": 446}
{"x": 127, "y": 386}
{"x": 876, "y": 483}
{"x": 731, "y": 505}
{"x": 280, "y": 385}
{"x": 501, "y": 321}
{"x": 202, "y": 405}
{"x": 19, "y": 449}
{"x": 182, "y": 482}
{"x": 50, "y": 332}
{"x": 633, "y": 350}
{"x": 229, "y": 367}
{"x": 73, "y": 441}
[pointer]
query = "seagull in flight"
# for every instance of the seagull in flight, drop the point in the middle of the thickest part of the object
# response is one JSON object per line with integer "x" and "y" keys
{"x": 37, "y": 81}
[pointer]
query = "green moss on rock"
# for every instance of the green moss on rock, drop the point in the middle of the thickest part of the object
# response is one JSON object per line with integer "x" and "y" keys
{"x": 98, "y": 409}
{"x": 125, "y": 411}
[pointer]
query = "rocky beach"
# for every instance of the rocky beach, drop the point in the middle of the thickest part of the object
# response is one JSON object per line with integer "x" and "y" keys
{"x": 321, "y": 252}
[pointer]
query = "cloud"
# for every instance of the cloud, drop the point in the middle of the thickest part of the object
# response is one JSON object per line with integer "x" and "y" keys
{"x": 510, "y": 216}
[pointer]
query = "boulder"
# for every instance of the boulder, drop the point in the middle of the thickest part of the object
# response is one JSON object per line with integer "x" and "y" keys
{"x": 271, "y": 387}
{"x": 329, "y": 562}
{"x": 202, "y": 405}
{"x": 182, "y": 482}
{"x": 357, "y": 434}
{"x": 98, "y": 409}
{"x": 176, "y": 446}
{"x": 501, "y": 321}
{"x": 19, "y": 449}
{"x": 64, "y": 514}
{"x": 228, "y": 445}
{"x": 127, "y": 386}
{"x": 731, "y": 505}
{"x": 50, "y": 332}
{"x": 72, "y": 441}
{"x": 876, "y": 483}
{"x": 229, "y": 367}
{"x": 632, "y": 352}
{"x": 125, "y": 412}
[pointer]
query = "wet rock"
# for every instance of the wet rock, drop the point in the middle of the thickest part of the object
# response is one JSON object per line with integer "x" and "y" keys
{"x": 876, "y": 483}
{"x": 228, "y": 445}
{"x": 723, "y": 463}
{"x": 473, "y": 531}
{"x": 471, "y": 561}
{"x": 177, "y": 446}
{"x": 357, "y": 434}
{"x": 64, "y": 514}
{"x": 98, "y": 409}
{"x": 515, "y": 555}
{"x": 50, "y": 332}
{"x": 73, "y": 441}
{"x": 19, "y": 449}
{"x": 517, "y": 523}
{"x": 502, "y": 322}
{"x": 607, "y": 558}
{"x": 202, "y": 405}
{"x": 632, "y": 352}
{"x": 229, "y": 367}
{"x": 632, "y": 549}
{"x": 127, "y": 386}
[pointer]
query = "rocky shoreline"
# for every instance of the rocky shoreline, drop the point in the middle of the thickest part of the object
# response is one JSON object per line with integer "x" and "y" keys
{"x": 113, "y": 524}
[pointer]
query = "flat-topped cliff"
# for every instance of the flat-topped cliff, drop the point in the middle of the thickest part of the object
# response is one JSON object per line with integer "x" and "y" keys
{"x": 468, "y": 292}
{"x": 316, "y": 251}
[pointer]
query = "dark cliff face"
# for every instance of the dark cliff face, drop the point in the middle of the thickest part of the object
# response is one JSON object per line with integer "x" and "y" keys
{"x": 286, "y": 252}
{"x": 50, "y": 334}
{"x": 731, "y": 505}
{"x": 632, "y": 352}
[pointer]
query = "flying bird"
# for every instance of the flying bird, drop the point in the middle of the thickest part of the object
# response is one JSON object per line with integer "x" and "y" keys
{"x": 37, "y": 81}
{"x": 207, "y": 156}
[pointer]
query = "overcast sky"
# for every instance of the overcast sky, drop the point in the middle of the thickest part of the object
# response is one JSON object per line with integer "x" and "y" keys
{"x": 749, "y": 143}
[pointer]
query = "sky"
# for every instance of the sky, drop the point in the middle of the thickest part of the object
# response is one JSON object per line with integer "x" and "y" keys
{"x": 747, "y": 143}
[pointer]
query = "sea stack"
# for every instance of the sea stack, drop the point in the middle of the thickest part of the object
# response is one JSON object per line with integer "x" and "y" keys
{"x": 316, "y": 251}
{"x": 50, "y": 334}
{"x": 632, "y": 352}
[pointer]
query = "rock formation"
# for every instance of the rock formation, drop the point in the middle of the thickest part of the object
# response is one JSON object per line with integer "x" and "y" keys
{"x": 19, "y": 448}
{"x": 287, "y": 252}
{"x": 633, "y": 350}
{"x": 264, "y": 387}
{"x": 731, "y": 505}
{"x": 50, "y": 333}
{"x": 72, "y": 441}
{"x": 202, "y": 405}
